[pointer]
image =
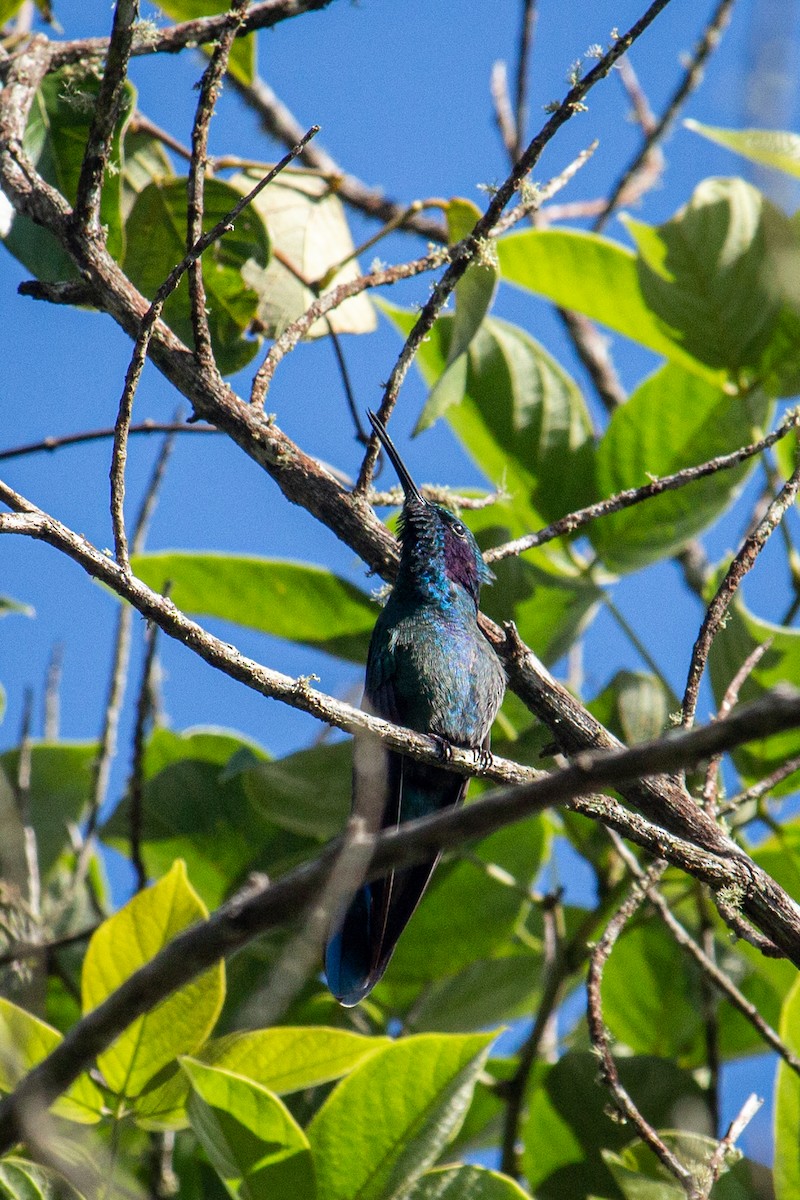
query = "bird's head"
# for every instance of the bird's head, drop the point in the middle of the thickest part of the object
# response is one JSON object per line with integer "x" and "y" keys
{"x": 438, "y": 549}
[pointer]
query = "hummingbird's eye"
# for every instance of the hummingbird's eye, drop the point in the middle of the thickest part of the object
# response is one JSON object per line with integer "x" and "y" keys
{"x": 458, "y": 529}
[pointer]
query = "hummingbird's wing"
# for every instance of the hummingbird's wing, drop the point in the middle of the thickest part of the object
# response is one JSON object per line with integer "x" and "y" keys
{"x": 387, "y": 790}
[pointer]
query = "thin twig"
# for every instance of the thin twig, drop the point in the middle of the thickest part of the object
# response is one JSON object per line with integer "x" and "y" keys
{"x": 691, "y": 78}
{"x": 140, "y": 732}
{"x": 503, "y": 113}
{"x": 758, "y": 790}
{"x": 706, "y": 963}
{"x": 730, "y": 698}
{"x": 293, "y": 333}
{"x": 25, "y": 950}
{"x": 122, "y": 640}
{"x": 22, "y": 794}
{"x": 742, "y": 563}
{"x": 583, "y": 516}
{"x": 523, "y": 63}
{"x": 466, "y": 250}
{"x": 49, "y": 444}
{"x": 52, "y": 693}
{"x": 210, "y": 87}
{"x": 600, "y": 1037}
{"x": 751, "y": 1106}
{"x": 146, "y": 328}
{"x": 106, "y": 113}
{"x": 361, "y": 433}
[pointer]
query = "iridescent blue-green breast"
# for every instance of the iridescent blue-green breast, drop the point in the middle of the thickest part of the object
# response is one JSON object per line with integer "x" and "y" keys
{"x": 431, "y": 669}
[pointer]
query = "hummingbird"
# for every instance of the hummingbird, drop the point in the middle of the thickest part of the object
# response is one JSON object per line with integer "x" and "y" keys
{"x": 429, "y": 668}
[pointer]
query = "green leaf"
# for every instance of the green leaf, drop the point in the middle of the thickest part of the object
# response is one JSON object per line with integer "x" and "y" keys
{"x": 522, "y": 419}
{"x": 673, "y": 420}
{"x": 9, "y": 605}
{"x": 388, "y": 1120}
{"x": 291, "y": 600}
{"x": 125, "y": 942}
{"x": 9, "y": 9}
{"x": 443, "y": 936}
{"x": 24, "y": 1042}
{"x": 634, "y": 706}
{"x": 769, "y": 147}
{"x": 146, "y": 161}
{"x": 242, "y": 60}
{"x": 196, "y": 807}
{"x": 55, "y": 138}
{"x": 473, "y": 295}
{"x": 596, "y": 277}
{"x": 787, "y": 1103}
{"x": 738, "y": 638}
{"x": 567, "y": 1126}
{"x": 465, "y": 1183}
{"x": 307, "y": 224}
{"x": 24, "y": 1180}
{"x": 156, "y": 242}
{"x": 287, "y": 1059}
{"x": 712, "y": 275}
{"x": 483, "y": 993}
{"x": 60, "y": 790}
{"x": 287, "y": 791}
{"x": 651, "y": 996}
{"x": 252, "y": 1139}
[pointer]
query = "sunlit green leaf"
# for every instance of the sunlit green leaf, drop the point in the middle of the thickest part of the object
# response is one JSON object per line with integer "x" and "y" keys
{"x": 465, "y": 1183}
{"x": 255, "y": 1144}
{"x": 769, "y": 147}
{"x": 24, "y": 1180}
{"x": 388, "y": 1120}
{"x": 596, "y": 277}
{"x": 286, "y": 1059}
{"x": 473, "y": 294}
{"x": 24, "y": 1042}
{"x": 292, "y": 600}
{"x": 673, "y": 420}
{"x": 708, "y": 273}
{"x": 522, "y": 419}
{"x": 787, "y": 1103}
{"x": 9, "y": 605}
{"x": 125, "y": 942}
{"x": 156, "y": 242}
{"x": 308, "y": 226}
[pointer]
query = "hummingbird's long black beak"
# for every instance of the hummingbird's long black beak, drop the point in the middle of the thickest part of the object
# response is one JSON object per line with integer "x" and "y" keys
{"x": 411, "y": 490}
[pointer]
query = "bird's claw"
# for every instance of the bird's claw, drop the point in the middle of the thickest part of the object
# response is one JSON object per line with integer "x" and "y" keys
{"x": 444, "y": 748}
{"x": 483, "y": 757}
